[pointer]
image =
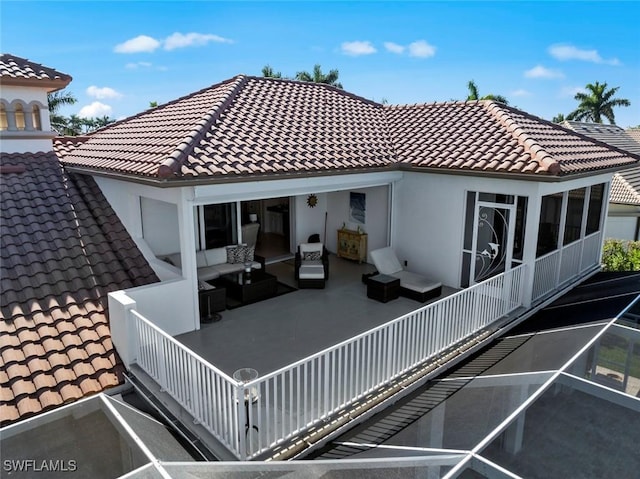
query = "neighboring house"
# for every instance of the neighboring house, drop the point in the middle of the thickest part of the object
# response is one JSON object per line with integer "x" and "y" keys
{"x": 476, "y": 195}
{"x": 63, "y": 250}
{"x": 623, "y": 219}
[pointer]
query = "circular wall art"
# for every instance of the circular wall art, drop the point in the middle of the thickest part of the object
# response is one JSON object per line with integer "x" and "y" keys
{"x": 312, "y": 201}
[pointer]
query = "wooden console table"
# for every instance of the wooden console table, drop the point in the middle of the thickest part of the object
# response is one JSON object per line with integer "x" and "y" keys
{"x": 352, "y": 245}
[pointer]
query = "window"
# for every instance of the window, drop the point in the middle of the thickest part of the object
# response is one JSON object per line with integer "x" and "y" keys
{"x": 35, "y": 115}
{"x": 595, "y": 208}
{"x": 219, "y": 225}
{"x": 4, "y": 124}
{"x": 20, "y": 123}
{"x": 575, "y": 208}
{"x": 550, "y": 212}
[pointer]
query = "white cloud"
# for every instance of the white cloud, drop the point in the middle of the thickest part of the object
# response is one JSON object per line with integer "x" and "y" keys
{"x": 181, "y": 40}
{"x": 520, "y": 92}
{"x": 357, "y": 48}
{"x": 569, "y": 52}
{"x": 141, "y": 43}
{"x": 103, "y": 93}
{"x": 570, "y": 91}
{"x": 421, "y": 49}
{"x": 96, "y": 109}
{"x": 134, "y": 65}
{"x": 394, "y": 47}
{"x": 541, "y": 72}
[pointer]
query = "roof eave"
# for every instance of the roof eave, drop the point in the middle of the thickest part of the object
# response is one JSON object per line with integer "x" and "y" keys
{"x": 50, "y": 85}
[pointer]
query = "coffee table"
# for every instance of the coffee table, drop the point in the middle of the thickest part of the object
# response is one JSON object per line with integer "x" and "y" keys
{"x": 250, "y": 287}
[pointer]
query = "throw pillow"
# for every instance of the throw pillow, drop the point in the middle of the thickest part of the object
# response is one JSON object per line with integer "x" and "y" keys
{"x": 232, "y": 254}
{"x": 241, "y": 254}
{"x": 312, "y": 256}
{"x": 250, "y": 253}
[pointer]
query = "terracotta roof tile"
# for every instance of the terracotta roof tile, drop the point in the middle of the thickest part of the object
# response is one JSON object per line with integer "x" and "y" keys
{"x": 14, "y": 69}
{"x": 493, "y": 138}
{"x": 263, "y": 126}
{"x": 63, "y": 249}
{"x": 625, "y": 185}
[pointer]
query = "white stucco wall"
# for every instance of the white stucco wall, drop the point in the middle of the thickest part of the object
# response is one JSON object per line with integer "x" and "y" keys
{"x": 621, "y": 222}
{"x": 160, "y": 226}
{"x": 308, "y": 220}
{"x": 27, "y": 141}
{"x": 429, "y": 222}
{"x": 376, "y": 216}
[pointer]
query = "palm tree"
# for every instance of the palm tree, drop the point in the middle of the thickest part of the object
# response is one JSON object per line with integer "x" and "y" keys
{"x": 57, "y": 100}
{"x": 559, "y": 118}
{"x": 598, "y": 102}
{"x": 102, "y": 121}
{"x": 317, "y": 76}
{"x": 268, "y": 72}
{"x": 474, "y": 95}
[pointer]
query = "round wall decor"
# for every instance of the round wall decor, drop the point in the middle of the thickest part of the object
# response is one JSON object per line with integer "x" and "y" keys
{"x": 312, "y": 201}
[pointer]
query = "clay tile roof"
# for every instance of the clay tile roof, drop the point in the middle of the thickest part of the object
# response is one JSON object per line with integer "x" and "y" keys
{"x": 55, "y": 341}
{"x": 486, "y": 136}
{"x": 244, "y": 126}
{"x": 20, "y": 71}
{"x": 625, "y": 185}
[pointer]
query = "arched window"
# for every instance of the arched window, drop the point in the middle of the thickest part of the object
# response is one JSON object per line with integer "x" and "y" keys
{"x": 35, "y": 115}
{"x": 20, "y": 123}
{"x": 4, "y": 124}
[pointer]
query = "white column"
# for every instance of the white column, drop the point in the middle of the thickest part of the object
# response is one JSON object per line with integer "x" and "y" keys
{"x": 186, "y": 224}
{"x": 532, "y": 227}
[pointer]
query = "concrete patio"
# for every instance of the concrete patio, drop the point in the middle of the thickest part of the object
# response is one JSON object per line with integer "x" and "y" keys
{"x": 274, "y": 333}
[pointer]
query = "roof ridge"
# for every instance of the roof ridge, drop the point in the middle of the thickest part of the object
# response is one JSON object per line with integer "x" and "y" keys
{"x": 171, "y": 164}
{"x": 502, "y": 113}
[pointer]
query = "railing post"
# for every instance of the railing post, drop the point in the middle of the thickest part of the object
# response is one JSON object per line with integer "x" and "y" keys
{"x": 124, "y": 333}
{"x": 242, "y": 421}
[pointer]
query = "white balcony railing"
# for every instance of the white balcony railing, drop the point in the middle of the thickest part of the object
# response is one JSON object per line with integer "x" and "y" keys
{"x": 299, "y": 396}
{"x": 560, "y": 266}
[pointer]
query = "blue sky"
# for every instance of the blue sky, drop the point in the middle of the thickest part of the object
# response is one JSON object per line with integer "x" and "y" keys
{"x": 124, "y": 54}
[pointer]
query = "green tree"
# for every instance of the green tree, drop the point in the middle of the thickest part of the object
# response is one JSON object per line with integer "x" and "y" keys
{"x": 57, "y": 100}
{"x": 153, "y": 104}
{"x": 268, "y": 72}
{"x": 102, "y": 121}
{"x": 596, "y": 103}
{"x": 474, "y": 95}
{"x": 559, "y": 118}
{"x": 75, "y": 125}
{"x": 620, "y": 255}
{"x": 317, "y": 76}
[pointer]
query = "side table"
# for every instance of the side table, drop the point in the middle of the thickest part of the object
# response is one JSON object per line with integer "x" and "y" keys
{"x": 383, "y": 287}
{"x": 211, "y": 300}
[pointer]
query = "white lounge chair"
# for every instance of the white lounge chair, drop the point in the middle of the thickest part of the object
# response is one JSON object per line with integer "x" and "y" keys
{"x": 412, "y": 285}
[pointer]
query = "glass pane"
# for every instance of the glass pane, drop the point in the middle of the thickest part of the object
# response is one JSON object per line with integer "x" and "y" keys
{"x": 468, "y": 220}
{"x": 595, "y": 208}
{"x": 521, "y": 219}
{"x": 542, "y": 352}
{"x": 472, "y": 412}
{"x": 550, "y": 211}
{"x": 491, "y": 242}
{"x": 3, "y": 118}
{"x": 20, "y": 124}
{"x": 572, "y": 431}
{"x": 614, "y": 361}
{"x": 496, "y": 198}
{"x": 220, "y": 225}
{"x": 466, "y": 265}
{"x": 36, "y": 118}
{"x": 575, "y": 207}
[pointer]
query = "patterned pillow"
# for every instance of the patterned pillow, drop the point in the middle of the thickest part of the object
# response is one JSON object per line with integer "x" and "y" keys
{"x": 312, "y": 256}
{"x": 234, "y": 255}
{"x": 250, "y": 252}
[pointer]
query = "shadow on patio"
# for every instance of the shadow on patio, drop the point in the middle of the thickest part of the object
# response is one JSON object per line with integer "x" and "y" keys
{"x": 274, "y": 333}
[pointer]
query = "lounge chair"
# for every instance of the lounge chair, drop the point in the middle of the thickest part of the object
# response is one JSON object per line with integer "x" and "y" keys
{"x": 412, "y": 285}
{"x": 311, "y": 265}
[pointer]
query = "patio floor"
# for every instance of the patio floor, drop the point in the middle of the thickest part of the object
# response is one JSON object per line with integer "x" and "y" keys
{"x": 274, "y": 333}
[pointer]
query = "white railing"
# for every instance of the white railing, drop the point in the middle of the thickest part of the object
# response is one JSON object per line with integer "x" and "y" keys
{"x": 559, "y": 266}
{"x": 207, "y": 393}
{"x": 302, "y": 394}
